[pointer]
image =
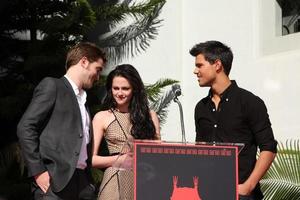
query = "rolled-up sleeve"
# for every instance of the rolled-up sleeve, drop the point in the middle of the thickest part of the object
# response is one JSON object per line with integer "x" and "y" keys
{"x": 261, "y": 126}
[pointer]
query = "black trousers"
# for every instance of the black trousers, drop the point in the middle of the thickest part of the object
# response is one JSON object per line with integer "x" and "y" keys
{"x": 78, "y": 188}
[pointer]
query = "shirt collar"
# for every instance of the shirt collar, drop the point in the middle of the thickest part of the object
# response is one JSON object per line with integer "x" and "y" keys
{"x": 227, "y": 91}
{"x": 75, "y": 88}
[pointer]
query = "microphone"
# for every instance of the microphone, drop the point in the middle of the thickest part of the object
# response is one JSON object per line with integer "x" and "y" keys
{"x": 176, "y": 90}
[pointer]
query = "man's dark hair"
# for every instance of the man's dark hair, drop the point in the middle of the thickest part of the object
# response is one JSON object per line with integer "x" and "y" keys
{"x": 214, "y": 50}
{"x": 87, "y": 49}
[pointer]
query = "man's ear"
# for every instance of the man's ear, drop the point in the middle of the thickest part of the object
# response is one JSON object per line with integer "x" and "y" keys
{"x": 219, "y": 66}
{"x": 84, "y": 62}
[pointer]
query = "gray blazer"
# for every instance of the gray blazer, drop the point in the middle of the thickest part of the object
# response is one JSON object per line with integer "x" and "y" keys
{"x": 50, "y": 132}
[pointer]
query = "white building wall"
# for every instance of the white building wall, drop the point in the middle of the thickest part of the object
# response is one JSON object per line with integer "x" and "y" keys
{"x": 263, "y": 64}
{"x": 163, "y": 59}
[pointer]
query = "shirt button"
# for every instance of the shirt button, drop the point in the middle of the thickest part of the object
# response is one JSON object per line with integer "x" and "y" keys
{"x": 214, "y": 110}
{"x": 215, "y": 125}
{"x": 80, "y": 135}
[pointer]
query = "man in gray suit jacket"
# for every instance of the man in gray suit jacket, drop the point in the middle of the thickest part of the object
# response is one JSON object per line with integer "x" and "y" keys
{"x": 55, "y": 132}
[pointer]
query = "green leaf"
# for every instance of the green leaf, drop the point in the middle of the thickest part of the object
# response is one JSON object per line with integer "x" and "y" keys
{"x": 282, "y": 181}
{"x": 132, "y": 26}
{"x": 159, "y": 100}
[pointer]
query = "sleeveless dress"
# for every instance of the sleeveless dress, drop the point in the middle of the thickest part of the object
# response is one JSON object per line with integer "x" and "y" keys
{"x": 117, "y": 184}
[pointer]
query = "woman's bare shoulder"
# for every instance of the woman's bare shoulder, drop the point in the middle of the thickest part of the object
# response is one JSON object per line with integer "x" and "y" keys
{"x": 101, "y": 114}
{"x": 104, "y": 117}
{"x": 153, "y": 113}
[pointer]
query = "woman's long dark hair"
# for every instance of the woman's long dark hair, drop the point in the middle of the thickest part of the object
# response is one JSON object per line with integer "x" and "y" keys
{"x": 142, "y": 124}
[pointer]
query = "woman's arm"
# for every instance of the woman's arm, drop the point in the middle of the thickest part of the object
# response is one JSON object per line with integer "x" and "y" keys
{"x": 99, "y": 127}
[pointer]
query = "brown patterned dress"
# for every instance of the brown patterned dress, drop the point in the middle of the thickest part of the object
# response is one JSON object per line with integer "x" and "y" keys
{"x": 117, "y": 184}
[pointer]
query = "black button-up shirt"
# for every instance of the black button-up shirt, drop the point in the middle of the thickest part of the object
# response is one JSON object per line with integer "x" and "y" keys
{"x": 241, "y": 117}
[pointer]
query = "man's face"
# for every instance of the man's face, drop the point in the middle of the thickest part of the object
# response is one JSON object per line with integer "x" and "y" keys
{"x": 92, "y": 72}
{"x": 205, "y": 72}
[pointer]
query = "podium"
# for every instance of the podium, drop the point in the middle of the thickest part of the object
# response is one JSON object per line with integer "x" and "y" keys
{"x": 185, "y": 171}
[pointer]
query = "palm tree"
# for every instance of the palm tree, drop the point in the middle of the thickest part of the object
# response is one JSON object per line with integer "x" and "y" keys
{"x": 159, "y": 99}
{"x": 282, "y": 181}
{"x": 130, "y": 26}
{"x": 35, "y": 35}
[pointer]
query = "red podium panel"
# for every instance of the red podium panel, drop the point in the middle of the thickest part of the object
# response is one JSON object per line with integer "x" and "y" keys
{"x": 175, "y": 171}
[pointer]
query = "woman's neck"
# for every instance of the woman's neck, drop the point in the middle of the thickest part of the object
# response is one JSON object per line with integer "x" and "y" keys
{"x": 122, "y": 109}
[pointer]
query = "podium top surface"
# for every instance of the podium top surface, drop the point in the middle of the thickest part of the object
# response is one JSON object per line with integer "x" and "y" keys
{"x": 225, "y": 144}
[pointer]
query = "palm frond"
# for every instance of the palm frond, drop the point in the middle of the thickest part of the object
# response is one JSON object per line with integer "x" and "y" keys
{"x": 159, "y": 101}
{"x": 160, "y": 106}
{"x": 154, "y": 91}
{"x": 133, "y": 38}
{"x": 116, "y": 13}
{"x": 79, "y": 19}
{"x": 282, "y": 180}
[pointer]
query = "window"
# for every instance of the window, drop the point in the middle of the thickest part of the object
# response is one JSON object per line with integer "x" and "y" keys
{"x": 290, "y": 12}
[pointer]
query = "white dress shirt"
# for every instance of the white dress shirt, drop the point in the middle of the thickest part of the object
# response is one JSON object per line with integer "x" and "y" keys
{"x": 85, "y": 118}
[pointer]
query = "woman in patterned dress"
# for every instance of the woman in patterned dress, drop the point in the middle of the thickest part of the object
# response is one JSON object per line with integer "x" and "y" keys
{"x": 127, "y": 117}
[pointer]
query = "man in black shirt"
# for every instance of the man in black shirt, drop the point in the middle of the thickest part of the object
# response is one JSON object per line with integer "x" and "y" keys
{"x": 232, "y": 114}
